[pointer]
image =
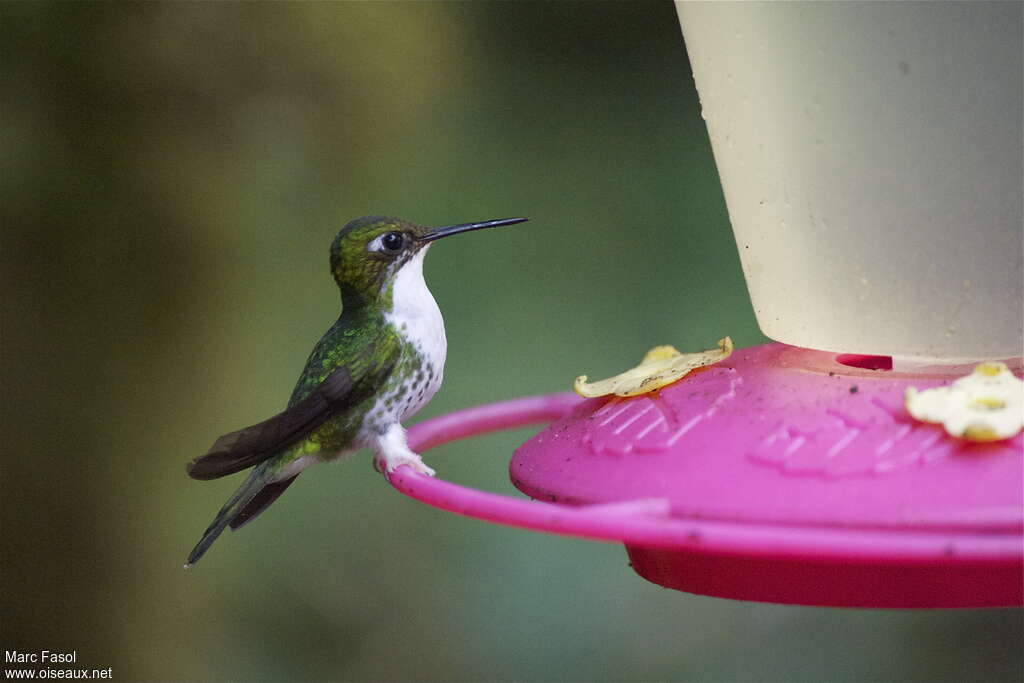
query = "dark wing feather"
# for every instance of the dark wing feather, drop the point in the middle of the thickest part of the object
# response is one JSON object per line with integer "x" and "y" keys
{"x": 267, "y": 495}
{"x": 244, "y": 448}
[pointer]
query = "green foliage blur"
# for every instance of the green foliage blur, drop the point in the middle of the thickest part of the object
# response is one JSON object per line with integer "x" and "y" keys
{"x": 173, "y": 176}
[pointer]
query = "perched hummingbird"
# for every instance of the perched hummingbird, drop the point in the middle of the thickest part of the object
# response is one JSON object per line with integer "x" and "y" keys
{"x": 375, "y": 367}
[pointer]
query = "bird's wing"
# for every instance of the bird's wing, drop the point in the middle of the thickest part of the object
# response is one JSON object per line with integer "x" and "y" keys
{"x": 250, "y": 446}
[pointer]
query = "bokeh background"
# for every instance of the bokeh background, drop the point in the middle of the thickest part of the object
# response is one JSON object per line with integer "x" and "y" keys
{"x": 173, "y": 176}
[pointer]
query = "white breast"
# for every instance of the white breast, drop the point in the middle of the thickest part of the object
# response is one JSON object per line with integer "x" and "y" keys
{"x": 415, "y": 315}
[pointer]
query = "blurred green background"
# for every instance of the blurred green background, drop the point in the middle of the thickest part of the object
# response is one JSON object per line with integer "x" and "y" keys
{"x": 173, "y": 177}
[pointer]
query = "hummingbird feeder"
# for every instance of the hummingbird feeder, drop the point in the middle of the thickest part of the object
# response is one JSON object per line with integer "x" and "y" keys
{"x": 870, "y": 159}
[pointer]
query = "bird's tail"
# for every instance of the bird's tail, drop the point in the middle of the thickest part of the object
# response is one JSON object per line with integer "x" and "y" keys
{"x": 232, "y": 513}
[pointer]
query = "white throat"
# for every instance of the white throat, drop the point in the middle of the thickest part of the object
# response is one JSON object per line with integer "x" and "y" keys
{"x": 415, "y": 314}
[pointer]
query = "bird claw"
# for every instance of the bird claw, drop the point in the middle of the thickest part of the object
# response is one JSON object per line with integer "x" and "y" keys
{"x": 386, "y": 464}
{"x": 392, "y": 451}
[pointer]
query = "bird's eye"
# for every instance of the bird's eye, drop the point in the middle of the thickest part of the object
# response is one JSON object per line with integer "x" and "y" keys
{"x": 393, "y": 242}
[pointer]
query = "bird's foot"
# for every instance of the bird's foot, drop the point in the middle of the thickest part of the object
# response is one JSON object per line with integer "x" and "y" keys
{"x": 387, "y": 463}
{"x": 391, "y": 452}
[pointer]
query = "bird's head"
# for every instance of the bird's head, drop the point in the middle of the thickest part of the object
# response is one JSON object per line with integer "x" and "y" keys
{"x": 369, "y": 251}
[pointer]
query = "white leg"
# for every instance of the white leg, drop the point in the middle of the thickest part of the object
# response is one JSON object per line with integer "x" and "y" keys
{"x": 391, "y": 450}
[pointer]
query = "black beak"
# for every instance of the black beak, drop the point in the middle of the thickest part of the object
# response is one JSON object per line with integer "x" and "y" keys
{"x": 438, "y": 233}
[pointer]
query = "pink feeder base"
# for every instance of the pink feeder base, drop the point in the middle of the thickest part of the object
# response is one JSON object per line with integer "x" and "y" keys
{"x": 778, "y": 475}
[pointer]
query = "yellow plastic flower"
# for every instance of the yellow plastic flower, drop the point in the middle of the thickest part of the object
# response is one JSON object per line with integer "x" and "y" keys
{"x": 986, "y": 405}
{"x": 660, "y": 367}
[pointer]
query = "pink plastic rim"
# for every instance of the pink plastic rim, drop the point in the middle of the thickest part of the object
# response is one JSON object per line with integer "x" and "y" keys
{"x": 647, "y": 523}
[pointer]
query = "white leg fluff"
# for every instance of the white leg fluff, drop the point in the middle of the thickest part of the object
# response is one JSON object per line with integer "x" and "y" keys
{"x": 391, "y": 451}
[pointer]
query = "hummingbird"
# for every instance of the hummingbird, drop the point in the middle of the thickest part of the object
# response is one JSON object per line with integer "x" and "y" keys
{"x": 375, "y": 367}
